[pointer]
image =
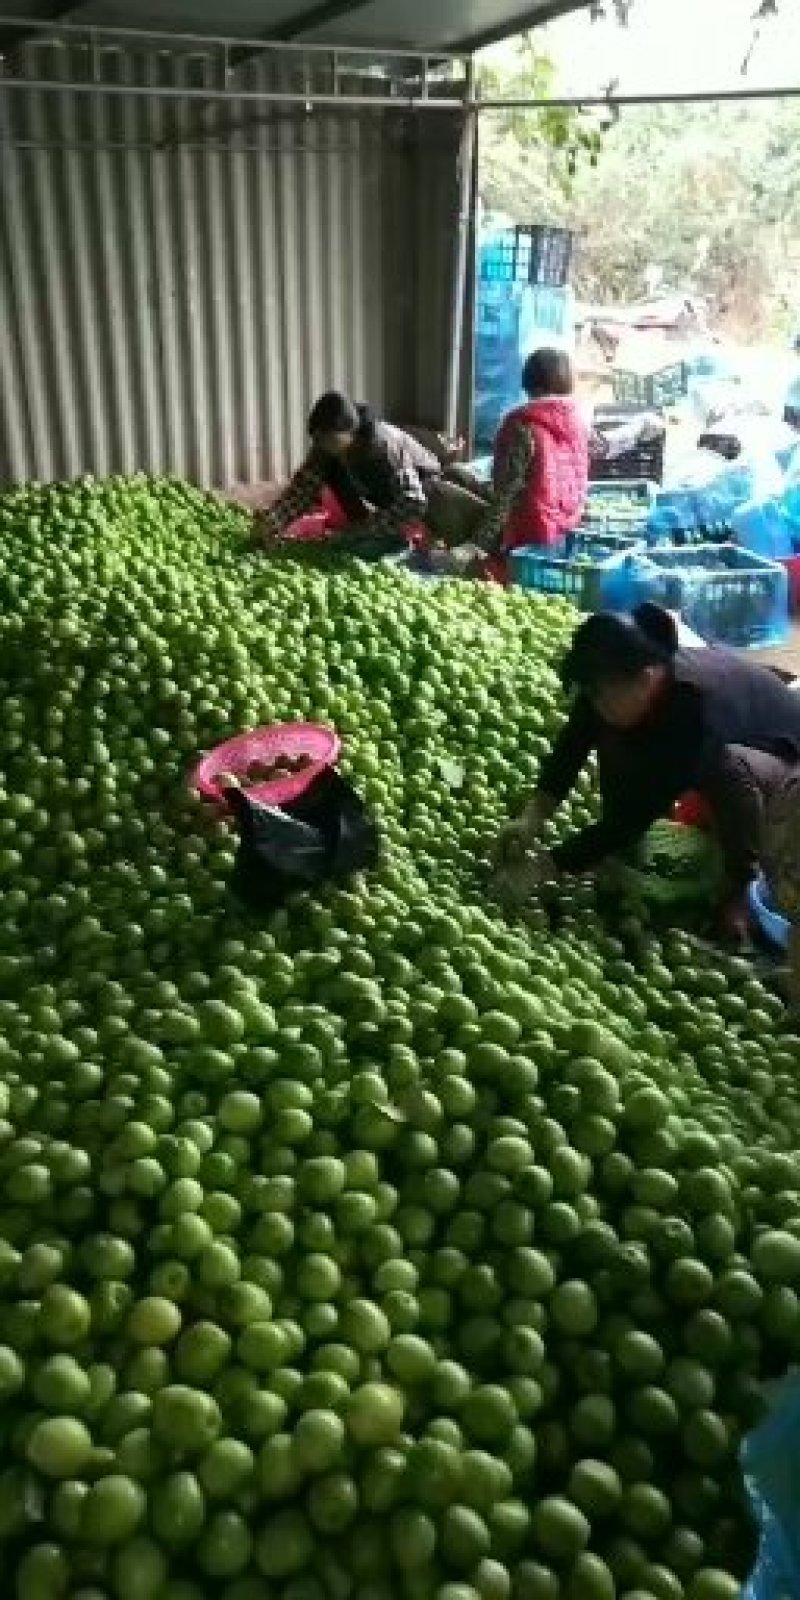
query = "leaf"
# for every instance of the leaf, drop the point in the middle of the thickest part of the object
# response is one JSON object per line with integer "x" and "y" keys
{"x": 452, "y": 773}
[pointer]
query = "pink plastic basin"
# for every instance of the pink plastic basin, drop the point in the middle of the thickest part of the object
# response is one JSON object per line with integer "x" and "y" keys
{"x": 306, "y": 529}
{"x": 318, "y": 744}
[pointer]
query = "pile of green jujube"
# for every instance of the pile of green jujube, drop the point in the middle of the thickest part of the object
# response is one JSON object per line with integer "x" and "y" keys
{"x": 379, "y": 1247}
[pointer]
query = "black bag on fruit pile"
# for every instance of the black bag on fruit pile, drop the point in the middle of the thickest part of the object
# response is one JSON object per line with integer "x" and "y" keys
{"x": 325, "y": 834}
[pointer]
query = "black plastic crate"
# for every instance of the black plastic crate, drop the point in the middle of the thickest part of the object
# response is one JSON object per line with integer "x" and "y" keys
{"x": 545, "y": 255}
{"x": 645, "y": 460}
{"x": 606, "y": 416}
{"x": 663, "y": 388}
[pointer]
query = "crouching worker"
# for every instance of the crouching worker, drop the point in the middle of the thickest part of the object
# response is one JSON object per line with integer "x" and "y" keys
{"x": 662, "y": 722}
{"x": 780, "y": 864}
{"x": 385, "y": 481}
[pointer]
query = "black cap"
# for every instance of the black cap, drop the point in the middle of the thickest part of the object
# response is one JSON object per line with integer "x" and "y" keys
{"x": 609, "y": 647}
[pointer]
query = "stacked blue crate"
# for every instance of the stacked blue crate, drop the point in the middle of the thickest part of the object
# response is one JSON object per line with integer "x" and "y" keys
{"x": 513, "y": 315}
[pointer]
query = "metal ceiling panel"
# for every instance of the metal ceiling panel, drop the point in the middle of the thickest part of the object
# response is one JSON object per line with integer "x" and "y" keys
{"x": 444, "y": 25}
{"x": 246, "y": 18}
{"x": 419, "y": 25}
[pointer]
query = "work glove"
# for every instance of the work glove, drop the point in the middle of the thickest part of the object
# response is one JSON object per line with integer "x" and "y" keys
{"x": 516, "y": 883}
{"x": 519, "y": 835}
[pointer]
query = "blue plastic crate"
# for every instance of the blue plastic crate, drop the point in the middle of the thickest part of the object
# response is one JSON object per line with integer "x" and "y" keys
{"x": 499, "y": 259}
{"x": 726, "y": 595}
{"x": 598, "y": 544}
{"x": 612, "y": 518}
{"x": 703, "y": 533}
{"x": 588, "y": 581}
{"x": 535, "y": 254}
{"x": 544, "y": 309}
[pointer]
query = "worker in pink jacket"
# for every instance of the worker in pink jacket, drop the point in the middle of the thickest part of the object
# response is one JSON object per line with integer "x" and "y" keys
{"x": 541, "y": 457}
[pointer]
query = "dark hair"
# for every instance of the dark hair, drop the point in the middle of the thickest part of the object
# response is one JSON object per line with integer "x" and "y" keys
{"x": 609, "y": 648}
{"x": 548, "y": 371}
{"x": 333, "y": 413}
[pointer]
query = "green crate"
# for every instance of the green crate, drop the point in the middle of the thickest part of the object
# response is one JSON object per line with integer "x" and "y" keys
{"x": 659, "y": 389}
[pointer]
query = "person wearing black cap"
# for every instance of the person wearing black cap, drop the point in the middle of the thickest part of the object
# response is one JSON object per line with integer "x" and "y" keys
{"x": 662, "y": 722}
{"x": 382, "y": 477}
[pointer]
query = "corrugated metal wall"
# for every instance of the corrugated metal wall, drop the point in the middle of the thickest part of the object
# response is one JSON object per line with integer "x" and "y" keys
{"x": 177, "y": 282}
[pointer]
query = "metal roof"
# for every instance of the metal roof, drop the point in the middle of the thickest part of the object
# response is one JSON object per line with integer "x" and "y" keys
{"x": 425, "y": 26}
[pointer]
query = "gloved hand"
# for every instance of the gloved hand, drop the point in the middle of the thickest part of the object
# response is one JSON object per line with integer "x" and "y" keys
{"x": 515, "y": 883}
{"x": 267, "y": 527}
{"x": 520, "y": 834}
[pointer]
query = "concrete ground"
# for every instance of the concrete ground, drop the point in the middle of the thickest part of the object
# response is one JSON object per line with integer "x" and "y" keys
{"x": 786, "y": 656}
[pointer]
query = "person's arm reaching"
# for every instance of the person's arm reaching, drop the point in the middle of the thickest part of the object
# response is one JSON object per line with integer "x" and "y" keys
{"x": 557, "y": 776}
{"x": 510, "y": 473}
{"x": 560, "y": 770}
{"x": 618, "y": 829}
{"x": 409, "y": 503}
{"x": 302, "y": 495}
{"x": 668, "y": 769}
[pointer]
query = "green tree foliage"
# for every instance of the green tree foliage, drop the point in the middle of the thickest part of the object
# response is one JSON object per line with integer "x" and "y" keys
{"x": 708, "y": 193}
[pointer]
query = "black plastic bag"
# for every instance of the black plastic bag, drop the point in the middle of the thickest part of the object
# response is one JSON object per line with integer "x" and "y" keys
{"x": 326, "y": 834}
{"x": 726, "y": 445}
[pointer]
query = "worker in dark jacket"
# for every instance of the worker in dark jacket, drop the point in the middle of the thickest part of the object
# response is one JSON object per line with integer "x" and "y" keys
{"x": 384, "y": 480}
{"x": 662, "y": 722}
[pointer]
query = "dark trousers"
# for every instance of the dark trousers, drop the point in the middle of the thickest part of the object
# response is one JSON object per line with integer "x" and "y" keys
{"x": 739, "y": 789}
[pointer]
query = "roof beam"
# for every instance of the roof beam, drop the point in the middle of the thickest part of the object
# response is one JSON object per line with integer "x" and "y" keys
{"x": 295, "y": 27}
{"x": 318, "y": 17}
{"x": 93, "y": 33}
{"x": 535, "y": 17}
